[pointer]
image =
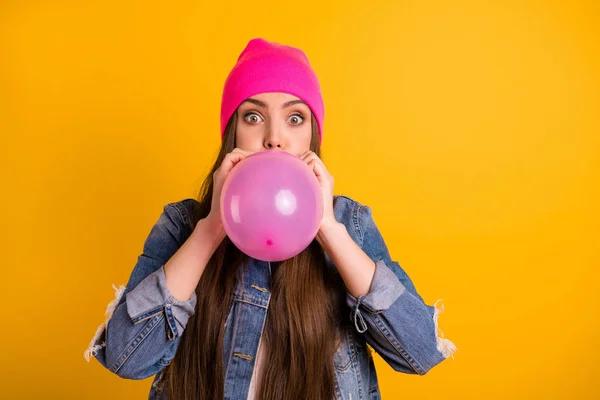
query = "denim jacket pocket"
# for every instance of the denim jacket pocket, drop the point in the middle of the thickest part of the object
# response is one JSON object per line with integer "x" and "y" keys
{"x": 343, "y": 357}
{"x": 348, "y": 351}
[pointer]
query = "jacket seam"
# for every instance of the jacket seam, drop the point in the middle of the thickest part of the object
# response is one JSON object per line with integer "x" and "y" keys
{"x": 146, "y": 315}
{"x": 357, "y": 370}
{"x": 234, "y": 333}
{"x": 129, "y": 350}
{"x": 356, "y": 220}
{"x": 407, "y": 357}
{"x": 177, "y": 206}
{"x": 244, "y": 300}
{"x": 184, "y": 213}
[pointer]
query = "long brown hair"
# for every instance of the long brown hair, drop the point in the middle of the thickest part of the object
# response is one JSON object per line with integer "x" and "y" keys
{"x": 302, "y": 328}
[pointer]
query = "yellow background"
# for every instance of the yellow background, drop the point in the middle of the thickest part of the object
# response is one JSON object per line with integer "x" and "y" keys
{"x": 471, "y": 128}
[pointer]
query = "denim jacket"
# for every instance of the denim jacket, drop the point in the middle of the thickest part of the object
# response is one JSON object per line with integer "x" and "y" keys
{"x": 144, "y": 322}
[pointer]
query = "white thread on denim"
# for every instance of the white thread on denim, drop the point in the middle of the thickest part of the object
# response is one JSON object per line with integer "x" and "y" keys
{"x": 445, "y": 346}
{"x": 110, "y": 309}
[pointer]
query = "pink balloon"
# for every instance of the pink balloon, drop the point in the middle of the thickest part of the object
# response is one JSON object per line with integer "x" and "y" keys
{"x": 271, "y": 205}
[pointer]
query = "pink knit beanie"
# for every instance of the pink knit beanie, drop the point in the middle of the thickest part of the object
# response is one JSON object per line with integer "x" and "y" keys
{"x": 265, "y": 66}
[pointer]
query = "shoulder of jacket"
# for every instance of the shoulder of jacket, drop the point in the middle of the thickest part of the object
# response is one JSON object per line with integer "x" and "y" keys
{"x": 349, "y": 211}
{"x": 184, "y": 208}
{"x": 346, "y": 203}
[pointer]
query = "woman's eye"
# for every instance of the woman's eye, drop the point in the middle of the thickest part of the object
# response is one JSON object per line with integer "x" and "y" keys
{"x": 296, "y": 119}
{"x": 252, "y": 118}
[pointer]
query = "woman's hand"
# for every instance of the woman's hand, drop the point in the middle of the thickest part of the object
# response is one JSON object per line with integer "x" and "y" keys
{"x": 230, "y": 161}
{"x": 326, "y": 182}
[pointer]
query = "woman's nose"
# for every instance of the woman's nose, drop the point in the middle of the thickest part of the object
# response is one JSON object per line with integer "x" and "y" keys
{"x": 271, "y": 144}
{"x": 273, "y": 139}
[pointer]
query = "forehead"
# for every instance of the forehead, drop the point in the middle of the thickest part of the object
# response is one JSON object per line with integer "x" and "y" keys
{"x": 274, "y": 98}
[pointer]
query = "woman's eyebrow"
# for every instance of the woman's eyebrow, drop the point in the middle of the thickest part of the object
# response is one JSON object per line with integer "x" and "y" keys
{"x": 254, "y": 101}
{"x": 292, "y": 102}
{"x": 263, "y": 104}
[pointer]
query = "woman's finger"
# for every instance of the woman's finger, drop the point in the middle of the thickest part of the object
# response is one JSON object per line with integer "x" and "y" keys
{"x": 317, "y": 168}
{"x": 304, "y": 155}
{"x": 231, "y": 159}
{"x": 309, "y": 156}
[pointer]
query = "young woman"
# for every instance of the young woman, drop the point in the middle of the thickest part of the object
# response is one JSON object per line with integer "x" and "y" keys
{"x": 211, "y": 322}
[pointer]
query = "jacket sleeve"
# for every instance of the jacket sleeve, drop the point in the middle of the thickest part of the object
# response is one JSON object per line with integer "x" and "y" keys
{"x": 144, "y": 322}
{"x": 394, "y": 318}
